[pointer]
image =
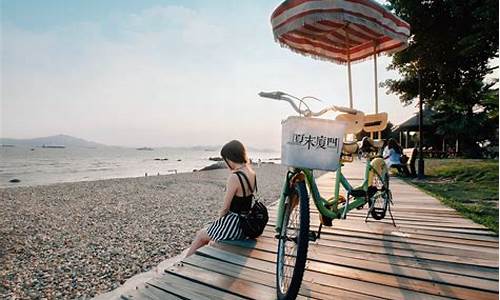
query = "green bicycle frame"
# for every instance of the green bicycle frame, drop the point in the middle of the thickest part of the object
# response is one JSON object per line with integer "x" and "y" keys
{"x": 326, "y": 207}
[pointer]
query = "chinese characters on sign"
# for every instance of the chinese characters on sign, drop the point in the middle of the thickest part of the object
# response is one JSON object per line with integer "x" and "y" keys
{"x": 315, "y": 142}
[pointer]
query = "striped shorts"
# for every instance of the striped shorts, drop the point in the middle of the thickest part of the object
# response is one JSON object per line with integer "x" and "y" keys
{"x": 226, "y": 227}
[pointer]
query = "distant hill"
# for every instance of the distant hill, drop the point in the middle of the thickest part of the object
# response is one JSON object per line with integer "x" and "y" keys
{"x": 61, "y": 139}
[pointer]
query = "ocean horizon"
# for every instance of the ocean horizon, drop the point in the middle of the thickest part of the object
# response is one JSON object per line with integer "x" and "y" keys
{"x": 41, "y": 166}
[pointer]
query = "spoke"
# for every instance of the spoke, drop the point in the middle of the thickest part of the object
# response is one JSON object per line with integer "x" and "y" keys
{"x": 289, "y": 240}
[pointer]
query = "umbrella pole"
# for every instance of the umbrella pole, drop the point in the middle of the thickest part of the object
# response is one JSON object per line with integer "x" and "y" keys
{"x": 348, "y": 64}
{"x": 376, "y": 80}
{"x": 379, "y": 134}
{"x": 349, "y": 75}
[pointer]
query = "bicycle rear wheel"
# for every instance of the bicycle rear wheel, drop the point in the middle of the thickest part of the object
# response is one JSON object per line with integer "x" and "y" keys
{"x": 293, "y": 243}
{"x": 380, "y": 199}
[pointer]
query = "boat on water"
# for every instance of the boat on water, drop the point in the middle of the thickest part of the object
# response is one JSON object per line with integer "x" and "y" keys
{"x": 145, "y": 148}
{"x": 54, "y": 146}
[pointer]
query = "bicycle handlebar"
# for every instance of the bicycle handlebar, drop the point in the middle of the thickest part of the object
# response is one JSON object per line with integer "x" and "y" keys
{"x": 277, "y": 95}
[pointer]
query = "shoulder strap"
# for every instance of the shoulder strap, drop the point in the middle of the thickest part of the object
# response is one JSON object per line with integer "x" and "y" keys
{"x": 248, "y": 181}
{"x": 241, "y": 182}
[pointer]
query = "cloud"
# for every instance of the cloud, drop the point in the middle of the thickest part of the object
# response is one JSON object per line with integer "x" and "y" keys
{"x": 164, "y": 75}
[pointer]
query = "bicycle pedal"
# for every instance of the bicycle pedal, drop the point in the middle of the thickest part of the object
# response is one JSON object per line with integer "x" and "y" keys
{"x": 326, "y": 221}
{"x": 312, "y": 236}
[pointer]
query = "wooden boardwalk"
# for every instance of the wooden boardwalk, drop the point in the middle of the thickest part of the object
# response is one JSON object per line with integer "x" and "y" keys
{"x": 433, "y": 253}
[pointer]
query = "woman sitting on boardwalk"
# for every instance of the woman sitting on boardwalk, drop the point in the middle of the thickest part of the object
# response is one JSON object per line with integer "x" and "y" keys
{"x": 392, "y": 156}
{"x": 238, "y": 198}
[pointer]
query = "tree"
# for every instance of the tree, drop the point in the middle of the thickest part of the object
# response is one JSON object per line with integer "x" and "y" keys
{"x": 452, "y": 45}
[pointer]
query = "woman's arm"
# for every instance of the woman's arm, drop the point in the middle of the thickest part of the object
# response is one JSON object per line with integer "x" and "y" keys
{"x": 231, "y": 187}
{"x": 386, "y": 153}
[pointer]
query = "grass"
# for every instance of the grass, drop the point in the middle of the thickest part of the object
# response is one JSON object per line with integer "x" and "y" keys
{"x": 470, "y": 186}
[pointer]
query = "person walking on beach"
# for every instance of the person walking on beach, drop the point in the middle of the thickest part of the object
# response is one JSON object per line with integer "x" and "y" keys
{"x": 240, "y": 186}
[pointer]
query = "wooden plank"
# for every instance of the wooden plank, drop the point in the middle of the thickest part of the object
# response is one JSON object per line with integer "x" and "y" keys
{"x": 403, "y": 252}
{"x": 419, "y": 269}
{"x": 438, "y": 222}
{"x": 395, "y": 242}
{"x": 334, "y": 234}
{"x": 413, "y": 237}
{"x": 262, "y": 274}
{"x": 414, "y": 234}
{"x": 409, "y": 215}
{"x": 410, "y": 284}
{"x": 268, "y": 267}
{"x": 270, "y": 245}
{"x": 381, "y": 228}
{"x": 187, "y": 288}
{"x": 147, "y": 292}
{"x": 349, "y": 284}
{"x": 332, "y": 258}
{"x": 387, "y": 244}
{"x": 229, "y": 284}
{"x": 472, "y": 233}
{"x": 431, "y": 265}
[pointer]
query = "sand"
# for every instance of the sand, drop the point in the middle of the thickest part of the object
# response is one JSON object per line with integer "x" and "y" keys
{"x": 78, "y": 240}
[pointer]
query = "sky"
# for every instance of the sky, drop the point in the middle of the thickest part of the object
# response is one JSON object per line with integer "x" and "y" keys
{"x": 162, "y": 73}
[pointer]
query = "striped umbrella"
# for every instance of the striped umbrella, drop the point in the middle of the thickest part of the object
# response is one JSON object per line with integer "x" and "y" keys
{"x": 340, "y": 31}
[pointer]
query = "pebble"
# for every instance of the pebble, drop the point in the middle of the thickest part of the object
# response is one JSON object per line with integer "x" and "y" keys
{"x": 77, "y": 240}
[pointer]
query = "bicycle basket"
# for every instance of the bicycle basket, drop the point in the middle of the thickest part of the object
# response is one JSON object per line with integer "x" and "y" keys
{"x": 312, "y": 143}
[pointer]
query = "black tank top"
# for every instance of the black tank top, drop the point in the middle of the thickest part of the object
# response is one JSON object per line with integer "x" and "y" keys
{"x": 242, "y": 204}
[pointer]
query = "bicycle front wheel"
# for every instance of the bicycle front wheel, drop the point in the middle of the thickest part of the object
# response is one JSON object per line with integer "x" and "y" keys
{"x": 293, "y": 243}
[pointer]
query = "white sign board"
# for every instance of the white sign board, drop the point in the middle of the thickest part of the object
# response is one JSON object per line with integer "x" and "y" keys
{"x": 312, "y": 143}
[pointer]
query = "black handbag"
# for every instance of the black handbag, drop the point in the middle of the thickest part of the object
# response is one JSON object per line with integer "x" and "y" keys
{"x": 253, "y": 223}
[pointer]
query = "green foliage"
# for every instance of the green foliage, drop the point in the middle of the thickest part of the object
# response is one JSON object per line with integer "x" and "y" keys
{"x": 483, "y": 171}
{"x": 452, "y": 44}
{"x": 467, "y": 185}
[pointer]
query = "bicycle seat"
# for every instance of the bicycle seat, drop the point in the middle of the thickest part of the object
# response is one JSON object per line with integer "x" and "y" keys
{"x": 350, "y": 147}
{"x": 355, "y": 122}
{"x": 375, "y": 122}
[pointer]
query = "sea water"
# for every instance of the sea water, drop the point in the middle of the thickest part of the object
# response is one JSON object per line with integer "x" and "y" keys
{"x": 36, "y": 166}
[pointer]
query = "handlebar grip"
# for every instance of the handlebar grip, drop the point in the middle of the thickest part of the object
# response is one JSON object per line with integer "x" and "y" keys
{"x": 272, "y": 95}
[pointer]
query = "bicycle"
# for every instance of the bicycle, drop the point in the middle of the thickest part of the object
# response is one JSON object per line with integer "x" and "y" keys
{"x": 292, "y": 222}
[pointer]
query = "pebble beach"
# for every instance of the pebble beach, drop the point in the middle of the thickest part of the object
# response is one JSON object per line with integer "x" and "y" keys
{"x": 79, "y": 240}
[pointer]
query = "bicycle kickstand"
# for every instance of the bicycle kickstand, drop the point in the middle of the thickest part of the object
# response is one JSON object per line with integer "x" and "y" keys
{"x": 369, "y": 211}
{"x": 313, "y": 236}
{"x": 392, "y": 217}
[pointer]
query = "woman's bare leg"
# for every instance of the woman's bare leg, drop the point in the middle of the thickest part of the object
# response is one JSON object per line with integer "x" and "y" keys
{"x": 199, "y": 241}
